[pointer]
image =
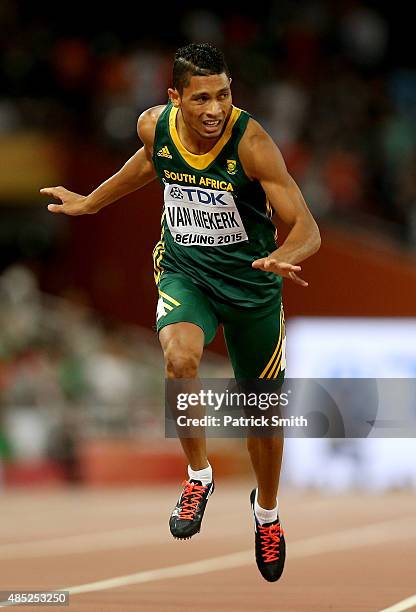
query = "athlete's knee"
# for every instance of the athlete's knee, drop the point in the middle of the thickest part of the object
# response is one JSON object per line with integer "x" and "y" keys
{"x": 181, "y": 361}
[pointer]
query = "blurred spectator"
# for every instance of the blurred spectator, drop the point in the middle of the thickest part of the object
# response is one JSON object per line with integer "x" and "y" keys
{"x": 62, "y": 447}
{"x": 66, "y": 374}
{"x": 364, "y": 34}
{"x": 60, "y": 366}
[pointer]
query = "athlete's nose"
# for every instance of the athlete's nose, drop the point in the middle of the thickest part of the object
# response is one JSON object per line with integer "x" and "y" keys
{"x": 214, "y": 109}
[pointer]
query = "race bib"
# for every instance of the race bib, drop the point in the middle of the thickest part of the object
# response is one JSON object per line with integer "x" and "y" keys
{"x": 202, "y": 217}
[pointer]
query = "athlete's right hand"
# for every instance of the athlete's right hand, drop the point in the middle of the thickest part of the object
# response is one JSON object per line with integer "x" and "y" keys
{"x": 71, "y": 203}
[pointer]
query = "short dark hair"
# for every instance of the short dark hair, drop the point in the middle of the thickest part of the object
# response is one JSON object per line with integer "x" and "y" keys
{"x": 197, "y": 59}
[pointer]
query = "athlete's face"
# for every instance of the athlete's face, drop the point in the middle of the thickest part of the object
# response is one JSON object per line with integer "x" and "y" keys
{"x": 205, "y": 104}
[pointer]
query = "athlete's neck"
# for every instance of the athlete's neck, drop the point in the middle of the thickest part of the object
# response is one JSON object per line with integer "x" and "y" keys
{"x": 190, "y": 138}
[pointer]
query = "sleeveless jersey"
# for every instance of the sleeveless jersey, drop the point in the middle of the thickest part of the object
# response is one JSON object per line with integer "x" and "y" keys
{"x": 216, "y": 221}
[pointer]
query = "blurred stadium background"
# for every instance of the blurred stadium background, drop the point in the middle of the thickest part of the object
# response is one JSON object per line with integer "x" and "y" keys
{"x": 81, "y": 374}
{"x": 87, "y": 478}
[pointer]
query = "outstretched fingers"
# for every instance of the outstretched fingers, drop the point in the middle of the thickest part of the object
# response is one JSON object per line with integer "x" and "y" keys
{"x": 268, "y": 264}
{"x": 57, "y": 193}
{"x": 298, "y": 280}
{"x": 259, "y": 263}
{"x": 55, "y": 208}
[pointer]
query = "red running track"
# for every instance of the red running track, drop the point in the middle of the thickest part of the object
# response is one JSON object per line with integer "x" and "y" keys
{"x": 113, "y": 549}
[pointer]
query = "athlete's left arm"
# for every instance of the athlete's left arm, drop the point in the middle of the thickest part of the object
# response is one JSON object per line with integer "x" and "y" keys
{"x": 263, "y": 161}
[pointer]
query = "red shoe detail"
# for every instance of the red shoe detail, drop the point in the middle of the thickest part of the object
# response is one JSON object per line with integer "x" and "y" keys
{"x": 270, "y": 541}
{"x": 191, "y": 496}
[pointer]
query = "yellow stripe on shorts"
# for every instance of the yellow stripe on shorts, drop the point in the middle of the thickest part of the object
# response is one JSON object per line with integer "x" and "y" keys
{"x": 171, "y": 299}
{"x": 272, "y": 369}
{"x": 157, "y": 259}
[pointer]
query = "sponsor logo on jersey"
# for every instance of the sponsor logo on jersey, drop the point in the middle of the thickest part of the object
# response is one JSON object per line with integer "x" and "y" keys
{"x": 200, "y": 196}
{"x": 176, "y": 193}
{"x": 203, "y": 217}
{"x": 164, "y": 152}
{"x": 231, "y": 166}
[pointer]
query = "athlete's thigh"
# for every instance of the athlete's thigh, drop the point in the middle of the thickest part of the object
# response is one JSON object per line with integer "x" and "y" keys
{"x": 181, "y": 301}
{"x": 256, "y": 342}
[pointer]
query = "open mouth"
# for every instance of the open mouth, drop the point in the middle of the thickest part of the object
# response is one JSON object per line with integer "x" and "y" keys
{"x": 211, "y": 126}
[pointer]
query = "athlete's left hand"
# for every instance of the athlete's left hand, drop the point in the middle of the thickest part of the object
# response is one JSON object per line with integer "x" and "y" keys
{"x": 282, "y": 268}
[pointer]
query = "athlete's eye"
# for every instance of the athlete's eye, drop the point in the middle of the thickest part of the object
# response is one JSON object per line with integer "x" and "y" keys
{"x": 224, "y": 95}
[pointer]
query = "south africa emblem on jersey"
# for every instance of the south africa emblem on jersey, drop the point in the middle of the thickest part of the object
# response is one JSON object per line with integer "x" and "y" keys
{"x": 231, "y": 166}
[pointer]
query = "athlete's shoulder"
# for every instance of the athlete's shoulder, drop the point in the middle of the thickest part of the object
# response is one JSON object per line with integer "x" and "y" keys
{"x": 255, "y": 135}
{"x": 146, "y": 123}
{"x": 257, "y": 150}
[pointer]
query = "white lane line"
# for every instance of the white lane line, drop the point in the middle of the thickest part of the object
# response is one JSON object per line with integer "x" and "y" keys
{"x": 405, "y": 604}
{"x": 342, "y": 540}
{"x": 374, "y": 534}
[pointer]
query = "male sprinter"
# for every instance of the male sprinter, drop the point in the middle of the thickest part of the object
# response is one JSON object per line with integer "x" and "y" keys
{"x": 217, "y": 262}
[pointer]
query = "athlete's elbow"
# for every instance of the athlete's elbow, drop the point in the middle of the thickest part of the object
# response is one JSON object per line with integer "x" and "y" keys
{"x": 315, "y": 239}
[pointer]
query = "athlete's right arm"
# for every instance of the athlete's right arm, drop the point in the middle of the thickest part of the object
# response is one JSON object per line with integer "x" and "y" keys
{"x": 136, "y": 172}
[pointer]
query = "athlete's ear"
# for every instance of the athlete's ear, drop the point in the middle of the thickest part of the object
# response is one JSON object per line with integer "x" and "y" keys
{"x": 174, "y": 96}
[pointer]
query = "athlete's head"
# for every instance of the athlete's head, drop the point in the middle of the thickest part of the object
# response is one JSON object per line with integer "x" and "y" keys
{"x": 197, "y": 59}
{"x": 201, "y": 88}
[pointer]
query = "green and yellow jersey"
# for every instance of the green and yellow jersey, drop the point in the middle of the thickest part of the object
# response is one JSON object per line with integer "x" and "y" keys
{"x": 216, "y": 221}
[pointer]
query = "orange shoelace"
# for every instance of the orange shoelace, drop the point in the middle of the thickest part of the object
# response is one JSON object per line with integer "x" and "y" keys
{"x": 270, "y": 540}
{"x": 191, "y": 496}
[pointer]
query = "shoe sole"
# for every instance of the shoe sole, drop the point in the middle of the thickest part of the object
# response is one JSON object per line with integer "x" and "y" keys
{"x": 185, "y": 538}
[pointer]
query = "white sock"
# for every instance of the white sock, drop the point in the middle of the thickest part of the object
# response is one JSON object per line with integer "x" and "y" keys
{"x": 205, "y": 475}
{"x": 263, "y": 515}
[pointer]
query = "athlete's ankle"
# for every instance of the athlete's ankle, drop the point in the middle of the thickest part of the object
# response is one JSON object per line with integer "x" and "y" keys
{"x": 265, "y": 515}
{"x": 204, "y": 475}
